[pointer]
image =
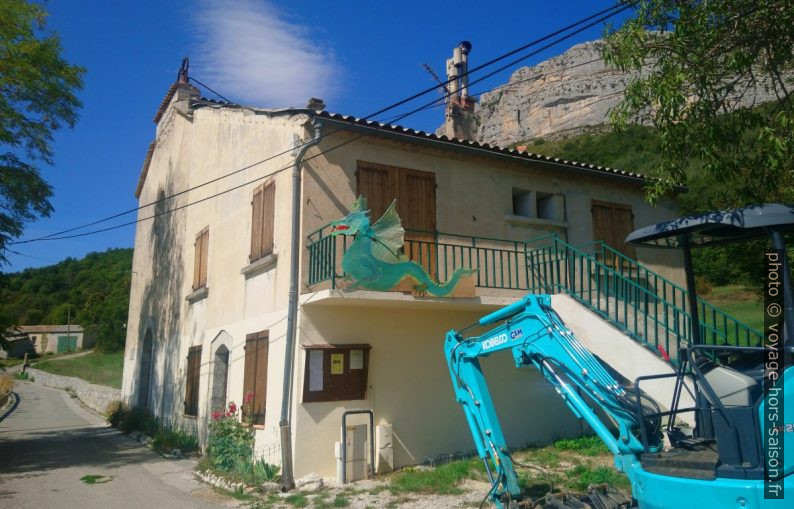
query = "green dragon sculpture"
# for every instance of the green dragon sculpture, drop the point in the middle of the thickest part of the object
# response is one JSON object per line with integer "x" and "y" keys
{"x": 374, "y": 261}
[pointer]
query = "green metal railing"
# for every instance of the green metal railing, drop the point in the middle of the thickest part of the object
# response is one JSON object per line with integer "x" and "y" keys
{"x": 717, "y": 327}
{"x": 648, "y": 307}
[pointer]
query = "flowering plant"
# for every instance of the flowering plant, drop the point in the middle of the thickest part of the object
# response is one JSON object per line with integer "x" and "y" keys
{"x": 231, "y": 441}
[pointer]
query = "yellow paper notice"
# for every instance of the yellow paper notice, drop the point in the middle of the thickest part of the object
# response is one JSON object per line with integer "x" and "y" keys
{"x": 337, "y": 363}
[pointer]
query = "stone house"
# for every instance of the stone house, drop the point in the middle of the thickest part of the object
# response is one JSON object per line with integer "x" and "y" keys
{"x": 208, "y": 317}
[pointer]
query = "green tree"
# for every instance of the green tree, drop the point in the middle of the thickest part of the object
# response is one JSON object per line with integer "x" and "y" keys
{"x": 37, "y": 97}
{"x": 700, "y": 58}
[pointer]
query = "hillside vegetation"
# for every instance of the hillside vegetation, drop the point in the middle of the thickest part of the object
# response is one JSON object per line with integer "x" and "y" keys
{"x": 636, "y": 149}
{"x": 92, "y": 292}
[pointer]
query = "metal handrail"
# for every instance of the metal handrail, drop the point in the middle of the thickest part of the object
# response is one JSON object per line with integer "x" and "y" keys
{"x": 649, "y": 307}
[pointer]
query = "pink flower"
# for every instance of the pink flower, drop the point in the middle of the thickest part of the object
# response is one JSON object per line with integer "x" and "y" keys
{"x": 232, "y": 408}
{"x": 217, "y": 414}
{"x": 249, "y": 397}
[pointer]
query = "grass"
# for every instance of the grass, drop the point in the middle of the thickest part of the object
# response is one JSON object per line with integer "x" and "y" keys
{"x": 744, "y": 305}
{"x": 96, "y": 368}
{"x": 23, "y": 376}
{"x": 443, "y": 480}
{"x": 571, "y": 464}
{"x": 95, "y": 479}
{"x": 297, "y": 500}
{"x": 11, "y": 361}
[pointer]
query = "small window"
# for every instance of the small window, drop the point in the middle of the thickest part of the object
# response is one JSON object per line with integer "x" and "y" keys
{"x": 335, "y": 373}
{"x": 262, "y": 210}
{"x": 192, "y": 380}
{"x": 201, "y": 246}
{"x": 255, "y": 375}
{"x": 523, "y": 203}
{"x": 537, "y": 204}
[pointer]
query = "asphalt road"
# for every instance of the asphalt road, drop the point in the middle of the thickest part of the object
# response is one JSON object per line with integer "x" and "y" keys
{"x": 49, "y": 442}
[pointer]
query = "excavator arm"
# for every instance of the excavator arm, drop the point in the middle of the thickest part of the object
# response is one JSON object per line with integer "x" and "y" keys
{"x": 536, "y": 336}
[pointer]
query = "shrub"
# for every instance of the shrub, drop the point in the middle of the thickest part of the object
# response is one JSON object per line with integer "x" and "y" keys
{"x": 126, "y": 419}
{"x": 168, "y": 439}
{"x": 20, "y": 375}
{"x": 230, "y": 440}
{"x": 6, "y": 384}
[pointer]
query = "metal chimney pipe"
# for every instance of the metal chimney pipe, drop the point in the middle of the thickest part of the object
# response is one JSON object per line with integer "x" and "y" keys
{"x": 465, "y": 48}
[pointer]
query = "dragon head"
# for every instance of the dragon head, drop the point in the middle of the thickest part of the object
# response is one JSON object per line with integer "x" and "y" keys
{"x": 355, "y": 222}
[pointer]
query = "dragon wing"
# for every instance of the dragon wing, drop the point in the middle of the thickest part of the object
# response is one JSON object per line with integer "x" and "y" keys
{"x": 389, "y": 236}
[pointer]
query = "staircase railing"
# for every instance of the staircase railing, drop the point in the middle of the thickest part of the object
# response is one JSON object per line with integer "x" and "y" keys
{"x": 717, "y": 327}
{"x": 650, "y": 308}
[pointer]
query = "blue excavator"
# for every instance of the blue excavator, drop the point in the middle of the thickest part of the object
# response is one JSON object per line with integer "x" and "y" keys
{"x": 739, "y": 454}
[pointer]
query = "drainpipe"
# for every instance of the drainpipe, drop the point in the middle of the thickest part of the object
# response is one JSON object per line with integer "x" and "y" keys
{"x": 287, "y": 481}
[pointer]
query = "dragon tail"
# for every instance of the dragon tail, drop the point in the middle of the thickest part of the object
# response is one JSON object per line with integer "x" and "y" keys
{"x": 418, "y": 273}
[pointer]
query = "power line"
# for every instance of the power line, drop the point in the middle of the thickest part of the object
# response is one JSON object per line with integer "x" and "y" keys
{"x": 600, "y": 17}
{"x": 193, "y": 78}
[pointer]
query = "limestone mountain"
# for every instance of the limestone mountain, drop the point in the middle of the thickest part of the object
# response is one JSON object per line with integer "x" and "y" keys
{"x": 561, "y": 97}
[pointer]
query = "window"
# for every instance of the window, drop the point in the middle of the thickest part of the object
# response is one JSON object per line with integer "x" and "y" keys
{"x": 192, "y": 380}
{"x": 201, "y": 246}
{"x": 262, "y": 209}
{"x": 335, "y": 373}
{"x": 537, "y": 204}
{"x": 255, "y": 374}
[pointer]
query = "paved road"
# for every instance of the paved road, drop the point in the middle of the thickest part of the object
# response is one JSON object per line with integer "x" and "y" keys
{"x": 50, "y": 441}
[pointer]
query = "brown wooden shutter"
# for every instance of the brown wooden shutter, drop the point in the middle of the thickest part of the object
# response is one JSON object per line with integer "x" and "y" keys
{"x": 417, "y": 209}
{"x": 192, "y": 377}
{"x": 255, "y": 374}
{"x": 268, "y": 214}
{"x": 379, "y": 184}
{"x": 196, "y": 263}
{"x": 256, "y": 224}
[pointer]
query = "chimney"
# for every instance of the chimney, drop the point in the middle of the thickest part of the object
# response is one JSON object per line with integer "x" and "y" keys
{"x": 459, "y": 112}
{"x": 316, "y": 104}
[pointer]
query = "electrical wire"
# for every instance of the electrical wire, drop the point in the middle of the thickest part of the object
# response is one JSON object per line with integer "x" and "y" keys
{"x": 601, "y": 16}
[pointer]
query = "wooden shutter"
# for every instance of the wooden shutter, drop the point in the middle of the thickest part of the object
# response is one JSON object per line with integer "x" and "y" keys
{"x": 268, "y": 212}
{"x": 379, "y": 184}
{"x": 201, "y": 246}
{"x": 255, "y": 374}
{"x": 192, "y": 376}
{"x": 256, "y": 223}
{"x": 263, "y": 208}
{"x": 612, "y": 222}
{"x": 417, "y": 209}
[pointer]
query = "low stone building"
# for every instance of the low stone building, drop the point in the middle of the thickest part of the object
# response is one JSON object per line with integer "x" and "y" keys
{"x": 56, "y": 338}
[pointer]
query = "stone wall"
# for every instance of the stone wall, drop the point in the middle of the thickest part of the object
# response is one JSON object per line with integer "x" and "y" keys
{"x": 94, "y": 396}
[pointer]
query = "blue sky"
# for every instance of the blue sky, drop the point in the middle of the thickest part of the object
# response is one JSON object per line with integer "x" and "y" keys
{"x": 357, "y": 55}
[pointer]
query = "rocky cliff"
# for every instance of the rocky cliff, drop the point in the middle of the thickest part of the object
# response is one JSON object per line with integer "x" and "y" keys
{"x": 561, "y": 97}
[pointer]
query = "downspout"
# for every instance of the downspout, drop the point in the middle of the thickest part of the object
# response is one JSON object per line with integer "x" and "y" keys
{"x": 287, "y": 481}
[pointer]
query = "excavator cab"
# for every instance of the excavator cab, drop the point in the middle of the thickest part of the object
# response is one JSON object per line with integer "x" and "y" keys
{"x": 727, "y": 382}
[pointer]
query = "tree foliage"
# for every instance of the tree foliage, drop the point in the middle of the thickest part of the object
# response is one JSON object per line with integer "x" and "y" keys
{"x": 704, "y": 56}
{"x": 37, "y": 97}
{"x": 92, "y": 292}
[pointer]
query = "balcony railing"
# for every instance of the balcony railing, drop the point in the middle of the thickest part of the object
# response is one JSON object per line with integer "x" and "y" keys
{"x": 651, "y": 309}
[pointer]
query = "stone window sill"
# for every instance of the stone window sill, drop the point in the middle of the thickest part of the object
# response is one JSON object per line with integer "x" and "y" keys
{"x": 259, "y": 266}
{"x": 198, "y": 295}
{"x": 534, "y": 221}
{"x": 188, "y": 416}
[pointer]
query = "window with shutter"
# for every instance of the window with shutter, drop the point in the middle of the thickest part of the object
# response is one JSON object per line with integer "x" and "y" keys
{"x": 201, "y": 246}
{"x": 262, "y": 212}
{"x": 192, "y": 374}
{"x": 255, "y": 376}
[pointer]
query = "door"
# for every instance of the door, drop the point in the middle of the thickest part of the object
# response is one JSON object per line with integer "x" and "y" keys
{"x": 612, "y": 222}
{"x": 145, "y": 373}
{"x": 67, "y": 344}
{"x": 415, "y": 192}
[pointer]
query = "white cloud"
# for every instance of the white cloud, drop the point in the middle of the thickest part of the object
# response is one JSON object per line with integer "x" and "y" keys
{"x": 247, "y": 51}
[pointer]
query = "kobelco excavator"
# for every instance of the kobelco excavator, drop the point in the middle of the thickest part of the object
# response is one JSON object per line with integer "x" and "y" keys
{"x": 739, "y": 454}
